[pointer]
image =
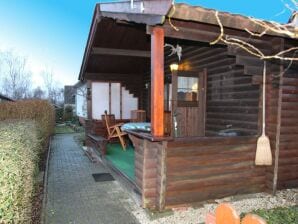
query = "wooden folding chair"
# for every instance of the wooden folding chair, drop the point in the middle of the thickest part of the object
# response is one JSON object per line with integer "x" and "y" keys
{"x": 113, "y": 129}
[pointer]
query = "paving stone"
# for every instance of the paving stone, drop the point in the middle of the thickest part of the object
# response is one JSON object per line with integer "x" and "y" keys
{"x": 72, "y": 194}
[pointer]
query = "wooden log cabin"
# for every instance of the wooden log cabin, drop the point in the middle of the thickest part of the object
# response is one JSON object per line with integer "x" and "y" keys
{"x": 213, "y": 98}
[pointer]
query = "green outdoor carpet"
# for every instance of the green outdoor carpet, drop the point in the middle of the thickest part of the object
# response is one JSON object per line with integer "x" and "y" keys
{"x": 122, "y": 160}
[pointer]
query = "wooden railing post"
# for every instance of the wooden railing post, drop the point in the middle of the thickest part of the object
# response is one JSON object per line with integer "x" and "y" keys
{"x": 157, "y": 81}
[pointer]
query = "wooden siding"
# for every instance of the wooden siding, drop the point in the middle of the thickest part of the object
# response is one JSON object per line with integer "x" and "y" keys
{"x": 232, "y": 98}
{"x": 288, "y": 151}
{"x": 272, "y": 102}
{"x": 150, "y": 171}
{"x": 188, "y": 121}
{"x": 210, "y": 168}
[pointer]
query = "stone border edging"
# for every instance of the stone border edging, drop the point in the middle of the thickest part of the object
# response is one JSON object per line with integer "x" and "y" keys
{"x": 45, "y": 184}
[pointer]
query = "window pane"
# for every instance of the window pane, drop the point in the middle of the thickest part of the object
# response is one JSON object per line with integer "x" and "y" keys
{"x": 188, "y": 88}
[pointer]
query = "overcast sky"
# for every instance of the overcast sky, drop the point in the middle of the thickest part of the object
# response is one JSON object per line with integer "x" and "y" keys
{"x": 52, "y": 34}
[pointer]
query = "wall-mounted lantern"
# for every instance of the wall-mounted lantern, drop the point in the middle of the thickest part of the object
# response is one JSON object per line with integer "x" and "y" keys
{"x": 174, "y": 67}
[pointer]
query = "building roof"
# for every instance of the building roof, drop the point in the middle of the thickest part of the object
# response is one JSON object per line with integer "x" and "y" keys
{"x": 118, "y": 21}
{"x": 5, "y": 98}
{"x": 79, "y": 84}
{"x": 154, "y": 12}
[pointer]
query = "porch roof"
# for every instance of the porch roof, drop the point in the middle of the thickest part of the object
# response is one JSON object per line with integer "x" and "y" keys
{"x": 118, "y": 39}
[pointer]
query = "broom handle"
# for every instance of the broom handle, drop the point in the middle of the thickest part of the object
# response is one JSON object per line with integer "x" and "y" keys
{"x": 264, "y": 98}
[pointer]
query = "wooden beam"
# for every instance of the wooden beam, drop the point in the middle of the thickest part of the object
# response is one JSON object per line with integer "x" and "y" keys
{"x": 163, "y": 177}
{"x": 120, "y": 52}
{"x": 146, "y": 7}
{"x": 186, "y": 33}
{"x": 202, "y": 101}
{"x": 278, "y": 123}
{"x": 157, "y": 81}
{"x": 96, "y": 19}
{"x": 133, "y": 78}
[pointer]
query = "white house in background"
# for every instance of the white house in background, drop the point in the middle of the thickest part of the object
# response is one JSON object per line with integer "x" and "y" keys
{"x": 81, "y": 100}
{"x": 106, "y": 96}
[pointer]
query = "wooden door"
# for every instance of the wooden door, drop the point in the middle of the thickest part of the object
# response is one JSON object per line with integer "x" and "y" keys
{"x": 189, "y": 103}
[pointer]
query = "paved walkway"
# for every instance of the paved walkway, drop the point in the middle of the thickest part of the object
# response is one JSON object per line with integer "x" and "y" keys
{"x": 73, "y": 195}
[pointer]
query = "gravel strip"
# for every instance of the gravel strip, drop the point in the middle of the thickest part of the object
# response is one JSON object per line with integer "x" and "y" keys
{"x": 242, "y": 203}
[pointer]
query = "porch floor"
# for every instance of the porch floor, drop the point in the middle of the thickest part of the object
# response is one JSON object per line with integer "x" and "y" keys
{"x": 122, "y": 160}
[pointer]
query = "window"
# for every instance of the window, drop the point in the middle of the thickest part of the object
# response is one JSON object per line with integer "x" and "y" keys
{"x": 187, "y": 91}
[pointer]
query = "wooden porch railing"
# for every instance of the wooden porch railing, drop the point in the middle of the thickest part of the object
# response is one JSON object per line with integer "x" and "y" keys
{"x": 226, "y": 214}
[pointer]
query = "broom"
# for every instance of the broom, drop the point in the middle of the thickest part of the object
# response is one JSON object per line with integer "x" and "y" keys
{"x": 263, "y": 153}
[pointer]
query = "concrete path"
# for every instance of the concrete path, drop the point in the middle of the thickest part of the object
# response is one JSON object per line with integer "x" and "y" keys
{"x": 72, "y": 194}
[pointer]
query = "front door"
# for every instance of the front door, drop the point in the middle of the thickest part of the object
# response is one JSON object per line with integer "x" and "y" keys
{"x": 189, "y": 103}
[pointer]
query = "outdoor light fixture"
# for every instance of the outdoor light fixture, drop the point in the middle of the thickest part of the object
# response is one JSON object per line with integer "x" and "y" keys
{"x": 174, "y": 67}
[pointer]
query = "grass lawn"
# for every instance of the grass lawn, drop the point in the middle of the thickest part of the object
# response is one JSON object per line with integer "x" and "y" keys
{"x": 279, "y": 215}
{"x": 63, "y": 129}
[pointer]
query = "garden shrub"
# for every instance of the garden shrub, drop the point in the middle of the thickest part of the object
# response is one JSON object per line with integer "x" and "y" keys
{"x": 19, "y": 147}
{"x": 68, "y": 113}
{"x": 59, "y": 114}
{"x": 25, "y": 127}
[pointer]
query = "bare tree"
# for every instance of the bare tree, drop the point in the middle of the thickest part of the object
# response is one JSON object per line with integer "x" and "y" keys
{"x": 48, "y": 82}
{"x": 54, "y": 93}
{"x": 57, "y": 96}
{"x": 266, "y": 27}
{"x": 287, "y": 30}
{"x": 16, "y": 81}
{"x": 38, "y": 93}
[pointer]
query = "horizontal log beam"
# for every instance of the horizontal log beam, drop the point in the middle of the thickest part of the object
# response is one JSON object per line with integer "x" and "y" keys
{"x": 100, "y": 75}
{"x": 187, "y": 33}
{"x": 120, "y": 52}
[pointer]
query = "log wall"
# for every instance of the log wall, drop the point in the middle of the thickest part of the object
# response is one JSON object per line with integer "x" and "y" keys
{"x": 272, "y": 105}
{"x": 149, "y": 171}
{"x": 232, "y": 98}
{"x": 288, "y": 151}
{"x": 210, "y": 168}
{"x": 282, "y": 122}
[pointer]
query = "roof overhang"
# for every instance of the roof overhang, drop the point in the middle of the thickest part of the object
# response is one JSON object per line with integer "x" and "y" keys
{"x": 148, "y": 12}
{"x": 235, "y": 21}
{"x": 156, "y": 12}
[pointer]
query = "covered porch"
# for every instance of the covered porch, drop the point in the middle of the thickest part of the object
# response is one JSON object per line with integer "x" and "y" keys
{"x": 204, "y": 115}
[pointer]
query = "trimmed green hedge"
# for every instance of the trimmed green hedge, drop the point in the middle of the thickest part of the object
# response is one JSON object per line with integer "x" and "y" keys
{"x": 40, "y": 111}
{"x": 20, "y": 144}
{"x": 25, "y": 128}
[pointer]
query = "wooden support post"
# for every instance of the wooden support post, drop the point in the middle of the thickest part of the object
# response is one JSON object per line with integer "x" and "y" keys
{"x": 121, "y": 103}
{"x": 157, "y": 82}
{"x": 278, "y": 131}
{"x": 110, "y": 98}
{"x": 278, "y": 124}
{"x": 162, "y": 177}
